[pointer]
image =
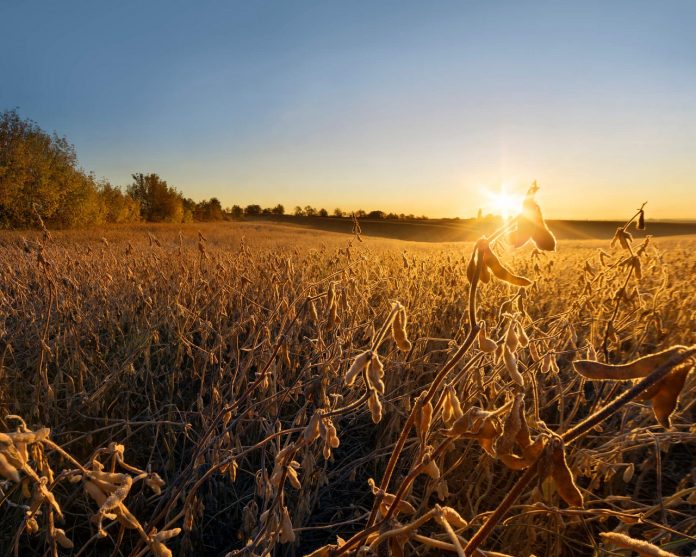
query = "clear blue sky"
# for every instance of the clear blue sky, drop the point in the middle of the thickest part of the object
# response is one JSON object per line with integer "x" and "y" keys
{"x": 403, "y": 106}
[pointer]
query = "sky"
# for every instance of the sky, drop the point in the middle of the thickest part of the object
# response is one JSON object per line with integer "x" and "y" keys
{"x": 413, "y": 107}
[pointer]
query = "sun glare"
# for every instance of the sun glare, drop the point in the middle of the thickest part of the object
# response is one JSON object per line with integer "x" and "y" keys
{"x": 503, "y": 203}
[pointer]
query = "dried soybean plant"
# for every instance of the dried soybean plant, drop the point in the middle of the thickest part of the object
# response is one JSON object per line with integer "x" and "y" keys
{"x": 503, "y": 430}
{"x": 249, "y": 365}
{"x": 25, "y": 463}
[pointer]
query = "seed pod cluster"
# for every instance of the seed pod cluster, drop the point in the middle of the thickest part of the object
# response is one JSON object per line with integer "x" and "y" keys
{"x": 424, "y": 417}
{"x": 312, "y": 431}
{"x": 516, "y": 433}
{"x": 511, "y": 367}
{"x": 327, "y": 432}
{"x": 369, "y": 363}
{"x": 399, "y": 328}
{"x": 332, "y": 319}
{"x": 451, "y": 407}
{"x": 478, "y": 424}
{"x": 284, "y": 463}
{"x": 485, "y": 343}
{"x": 375, "y": 406}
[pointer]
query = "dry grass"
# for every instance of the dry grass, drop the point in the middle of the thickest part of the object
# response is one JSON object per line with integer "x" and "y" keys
{"x": 201, "y": 381}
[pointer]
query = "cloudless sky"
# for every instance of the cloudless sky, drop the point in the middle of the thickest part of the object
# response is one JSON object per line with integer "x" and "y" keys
{"x": 400, "y": 106}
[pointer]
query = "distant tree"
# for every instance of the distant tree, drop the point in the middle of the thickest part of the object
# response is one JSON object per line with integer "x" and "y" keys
{"x": 376, "y": 215}
{"x": 298, "y": 212}
{"x": 236, "y": 212}
{"x": 337, "y": 213}
{"x": 323, "y": 213}
{"x": 118, "y": 207}
{"x": 278, "y": 210}
{"x": 360, "y": 214}
{"x": 252, "y": 210}
{"x": 310, "y": 211}
{"x": 267, "y": 211}
{"x": 210, "y": 210}
{"x": 158, "y": 201}
{"x": 215, "y": 208}
{"x": 190, "y": 207}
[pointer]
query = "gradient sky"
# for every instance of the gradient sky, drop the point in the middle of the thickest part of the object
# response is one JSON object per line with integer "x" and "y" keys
{"x": 400, "y": 106}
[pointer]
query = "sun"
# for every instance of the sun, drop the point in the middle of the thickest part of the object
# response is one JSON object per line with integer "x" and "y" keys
{"x": 503, "y": 203}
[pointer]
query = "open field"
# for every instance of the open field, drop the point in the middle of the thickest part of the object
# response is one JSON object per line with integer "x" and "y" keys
{"x": 453, "y": 230}
{"x": 204, "y": 377}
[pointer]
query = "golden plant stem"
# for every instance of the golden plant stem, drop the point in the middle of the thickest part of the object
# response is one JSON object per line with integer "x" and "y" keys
{"x": 430, "y": 394}
{"x": 383, "y": 331}
{"x": 403, "y": 529}
{"x": 471, "y": 337}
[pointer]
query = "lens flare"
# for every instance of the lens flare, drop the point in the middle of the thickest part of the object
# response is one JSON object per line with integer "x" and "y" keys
{"x": 503, "y": 203}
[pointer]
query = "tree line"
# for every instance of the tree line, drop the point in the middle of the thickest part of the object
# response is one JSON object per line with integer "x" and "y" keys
{"x": 308, "y": 211}
{"x": 40, "y": 176}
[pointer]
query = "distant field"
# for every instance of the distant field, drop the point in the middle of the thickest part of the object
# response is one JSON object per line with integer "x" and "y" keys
{"x": 209, "y": 369}
{"x": 447, "y": 230}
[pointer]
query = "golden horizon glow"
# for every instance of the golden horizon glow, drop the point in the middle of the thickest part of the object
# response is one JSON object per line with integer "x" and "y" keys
{"x": 502, "y": 203}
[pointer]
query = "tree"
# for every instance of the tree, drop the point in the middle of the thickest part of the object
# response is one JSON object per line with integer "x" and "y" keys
{"x": 158, "y": 201}
{"x": 323, "y": 213}
{"x": 118, "y": 207}
{"x": 278, "y": 210}
{"x": 236, "y": 212}
{"x": 189, "y": 209}
{"x": 298, "y": 212}
{"x": 310, "y": 211}
{"x": 376, "y": 215}
{"x": 40, "y": 172}
{"x": 337, "y": 213}
{"x": 252, "y": 210}
{"x": 208, "y": 210}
